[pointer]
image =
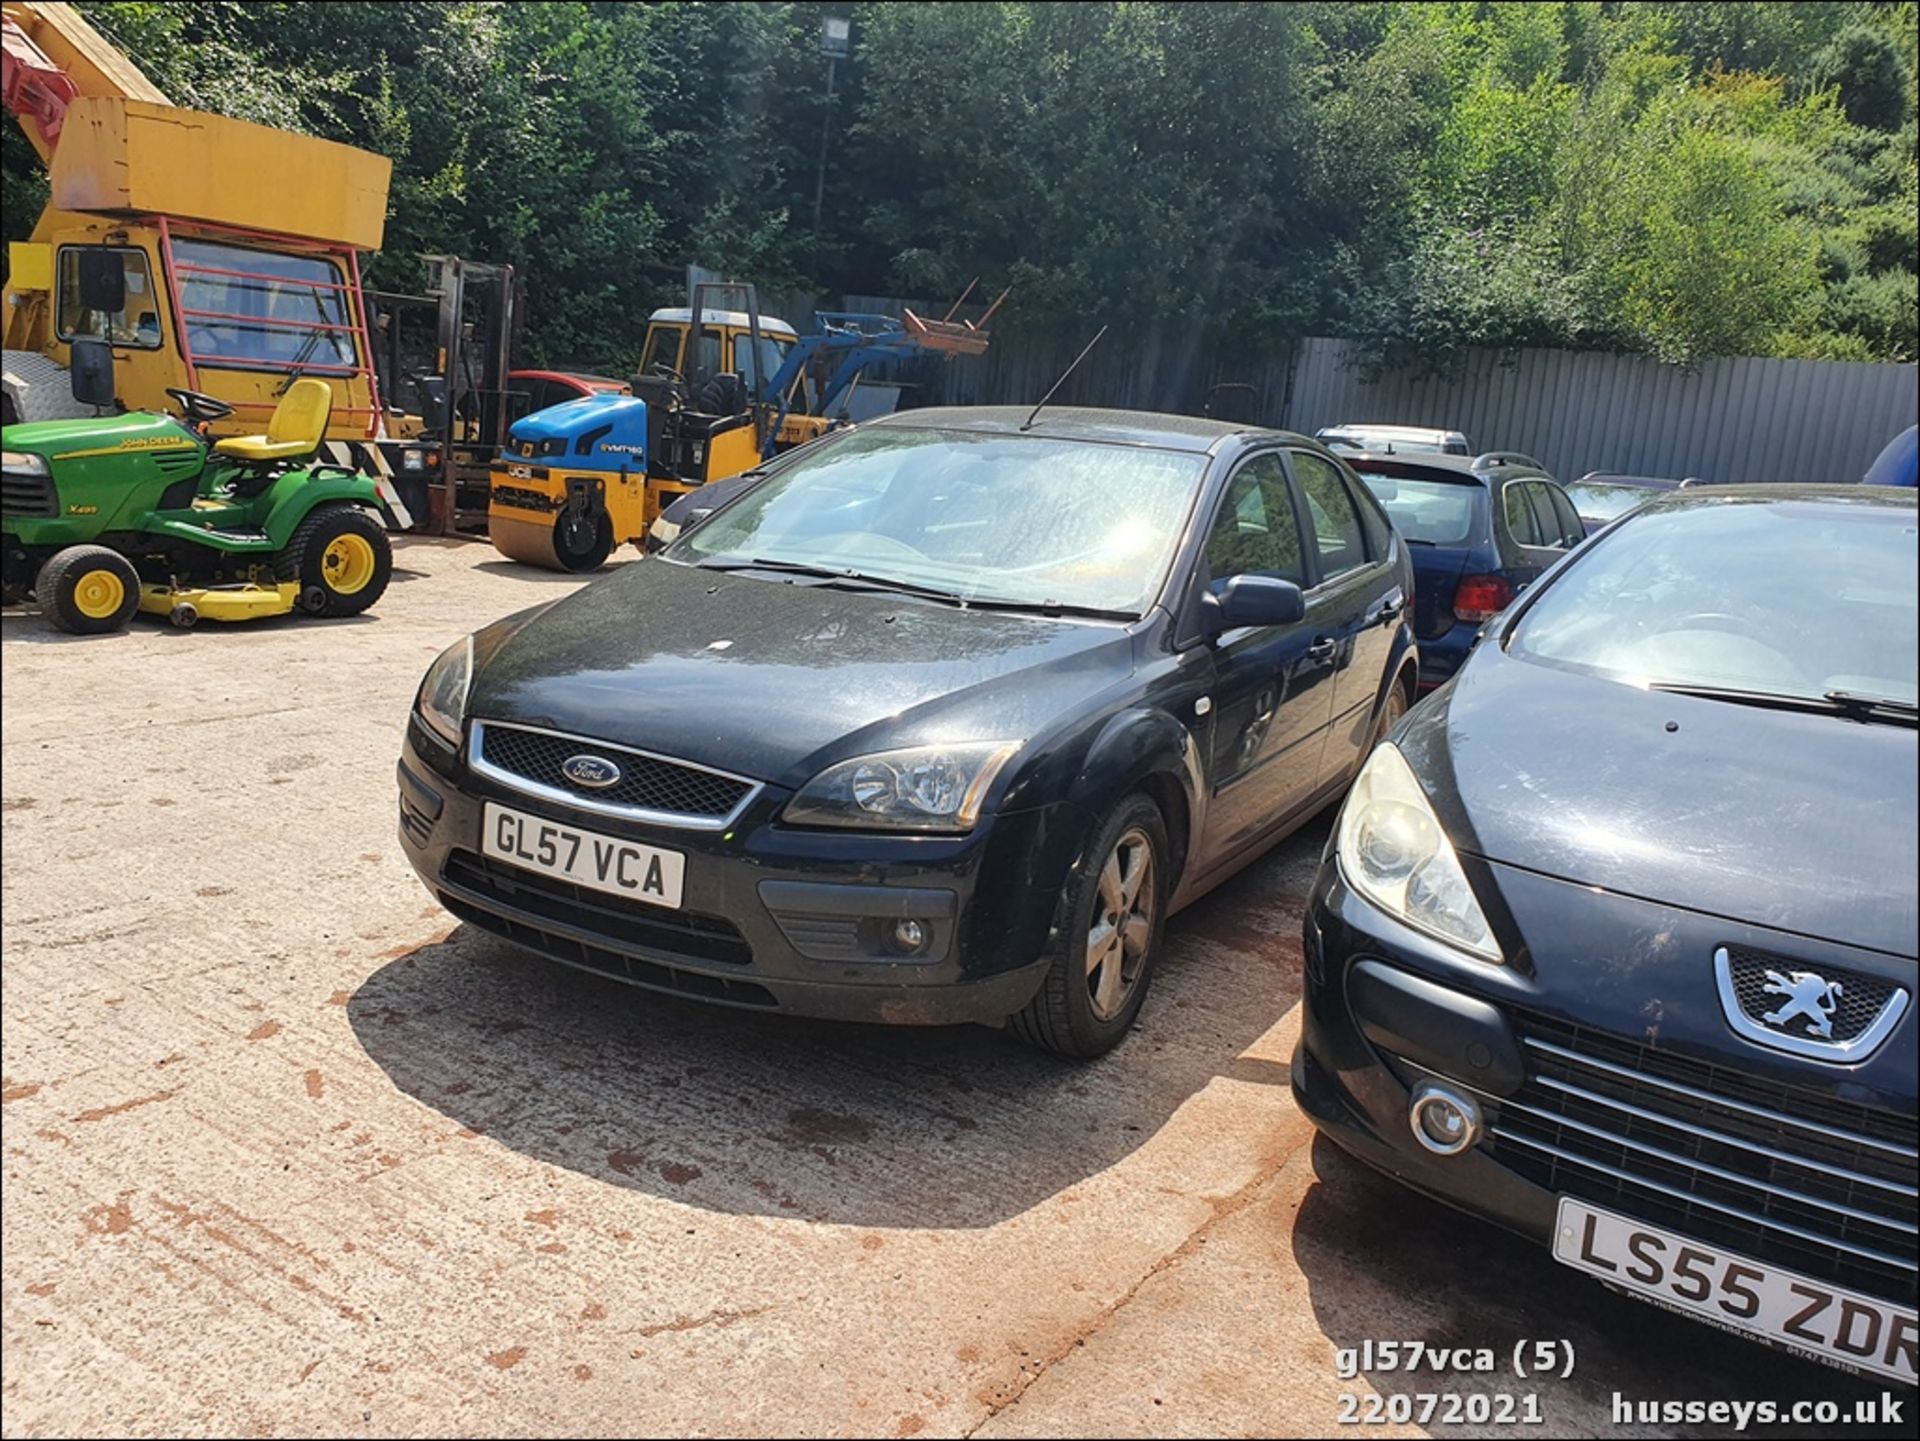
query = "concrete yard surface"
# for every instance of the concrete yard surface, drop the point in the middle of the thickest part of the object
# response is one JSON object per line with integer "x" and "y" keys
{"x": 290, "y": 1153}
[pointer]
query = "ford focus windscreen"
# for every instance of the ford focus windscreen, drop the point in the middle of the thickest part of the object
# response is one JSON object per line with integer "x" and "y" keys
{"x": 1797, "y": 602}
{"x": 1007, "y": 519}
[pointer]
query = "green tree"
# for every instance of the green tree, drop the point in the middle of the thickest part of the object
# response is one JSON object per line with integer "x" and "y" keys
{"x": 1864, "y": 65}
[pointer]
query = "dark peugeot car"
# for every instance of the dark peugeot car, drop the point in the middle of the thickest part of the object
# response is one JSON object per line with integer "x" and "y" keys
{"x": 936, "y": 723}
{"x": 1615, "y": 940}
{"x": 1480, "y": 530}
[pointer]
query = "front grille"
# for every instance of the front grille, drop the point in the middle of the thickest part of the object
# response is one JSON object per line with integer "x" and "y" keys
{"x": 1857, "y": 1002}
{"x": 1820, "y": 1186}
{"x": 647, "y": 783}
{"x": 24, "y": 494}
{"x": 631, "y": 923}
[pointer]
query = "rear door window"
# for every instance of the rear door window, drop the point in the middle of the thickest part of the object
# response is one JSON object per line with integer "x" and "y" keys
{"x": 1544, "y": 517}
{"x": 1522, "y": 523}
{"x": 1572, "y": 532}
{"x": 1338, "y": 538}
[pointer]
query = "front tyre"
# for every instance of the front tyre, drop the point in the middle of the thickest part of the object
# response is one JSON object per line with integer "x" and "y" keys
{"x": 340, "y": 558}
{"x": 1106, "y": 937}
{"x": 88, "y": 590}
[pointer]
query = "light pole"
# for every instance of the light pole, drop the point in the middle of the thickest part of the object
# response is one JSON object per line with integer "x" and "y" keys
{"x": 836, "y": 41}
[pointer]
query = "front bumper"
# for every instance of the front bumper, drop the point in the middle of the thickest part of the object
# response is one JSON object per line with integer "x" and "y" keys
{"x": 1605, "y": 1069}
{"x": 772, "y": 917}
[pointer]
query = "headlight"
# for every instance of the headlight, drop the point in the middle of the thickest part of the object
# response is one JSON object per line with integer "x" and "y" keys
{"x": 922, "y": 788}
{"x": 24, "y": 462}
{"x": 442, "y": 703}
{"x": 1393, "y": 852}
{"x": 413, "y": 460}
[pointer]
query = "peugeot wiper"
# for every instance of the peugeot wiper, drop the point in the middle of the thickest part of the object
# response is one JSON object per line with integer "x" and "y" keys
{"x": 1874, "y": 707}
{"x": 1832, "y": 703}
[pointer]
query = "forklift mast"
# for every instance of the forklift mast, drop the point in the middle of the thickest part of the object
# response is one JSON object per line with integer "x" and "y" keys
{"x": 462, "y": 405}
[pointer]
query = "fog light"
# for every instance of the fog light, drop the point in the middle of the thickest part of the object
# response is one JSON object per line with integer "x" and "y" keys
{"x": 1443, "y": 1120}
{"x": 908, "y": 936}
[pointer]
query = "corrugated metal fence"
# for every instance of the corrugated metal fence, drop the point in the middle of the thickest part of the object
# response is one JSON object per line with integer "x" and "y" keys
{"x": 1737, "y": 419}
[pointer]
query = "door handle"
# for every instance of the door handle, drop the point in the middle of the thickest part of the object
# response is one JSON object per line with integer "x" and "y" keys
{"x": 1323, "y": 648}
{"x": 1390, "y": 612}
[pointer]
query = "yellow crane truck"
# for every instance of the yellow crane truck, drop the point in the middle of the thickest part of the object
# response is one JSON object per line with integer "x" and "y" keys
{"x": 211, "y": 255}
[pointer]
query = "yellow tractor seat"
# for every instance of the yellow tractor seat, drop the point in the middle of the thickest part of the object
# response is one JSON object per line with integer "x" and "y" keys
{"x": 298, "y": 426}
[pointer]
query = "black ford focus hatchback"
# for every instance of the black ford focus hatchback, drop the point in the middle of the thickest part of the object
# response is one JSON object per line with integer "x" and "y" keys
{"x": 937, "y": 722}
{"x": 1614, "y": 942}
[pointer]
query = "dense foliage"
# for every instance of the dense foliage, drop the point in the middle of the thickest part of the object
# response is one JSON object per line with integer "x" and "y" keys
{"x": 1677, "y": 179}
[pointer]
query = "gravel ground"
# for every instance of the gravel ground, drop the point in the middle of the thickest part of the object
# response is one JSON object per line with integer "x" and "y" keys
{"x": 288, "y": 1152}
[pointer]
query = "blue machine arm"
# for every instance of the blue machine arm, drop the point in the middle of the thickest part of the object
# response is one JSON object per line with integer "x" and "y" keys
{"x": 855, "y": 339}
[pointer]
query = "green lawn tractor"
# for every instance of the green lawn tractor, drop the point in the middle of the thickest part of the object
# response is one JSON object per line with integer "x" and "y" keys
{"x": 138, "y": 511}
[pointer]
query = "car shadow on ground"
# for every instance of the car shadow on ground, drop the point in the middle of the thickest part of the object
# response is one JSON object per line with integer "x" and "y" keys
{"x": 749, "y": 1113}
{"x": 1440, "y": 1276}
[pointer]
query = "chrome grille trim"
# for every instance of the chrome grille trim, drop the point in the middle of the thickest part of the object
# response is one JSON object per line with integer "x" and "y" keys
{"x": 1687, "y": 1198}
{"x": 480, "y": 765}
{"x": 1776, "y": 1118}
{"x": 1851, "y": 1051}
{"x": 1722, "y": 1138}
{"x": 1687, "y": 1163}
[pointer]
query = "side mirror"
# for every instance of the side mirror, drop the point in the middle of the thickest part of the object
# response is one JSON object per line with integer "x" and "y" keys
{"x": 91, "y": 372}
{"x": 103, "y": 280}
{"x": 1257, "y": 600}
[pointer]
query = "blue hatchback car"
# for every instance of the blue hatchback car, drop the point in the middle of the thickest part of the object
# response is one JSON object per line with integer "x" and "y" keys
{"x": 1480, "y": 530}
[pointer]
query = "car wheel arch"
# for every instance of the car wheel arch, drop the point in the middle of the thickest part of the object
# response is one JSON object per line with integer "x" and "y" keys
{"x": 1149, "y": 751}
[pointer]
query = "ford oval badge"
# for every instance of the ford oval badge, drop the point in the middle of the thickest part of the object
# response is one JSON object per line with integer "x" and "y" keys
{"x": 593, "y": 772}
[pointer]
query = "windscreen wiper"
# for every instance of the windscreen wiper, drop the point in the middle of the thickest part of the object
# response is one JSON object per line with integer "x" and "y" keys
{"x": 1874, "y": 707}
{"x": 1046, "y": 607}
{"x": 833, "y": 575}
{"x": 830, "y": 575}
{"x": 1837, "y": 702}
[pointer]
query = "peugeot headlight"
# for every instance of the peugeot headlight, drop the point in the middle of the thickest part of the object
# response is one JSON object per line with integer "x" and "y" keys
{"x": 23, "y": 462}
{"x": 1393, "y": 851}
{"x": 921, "y": 788}
{"x": 442, "y": 704}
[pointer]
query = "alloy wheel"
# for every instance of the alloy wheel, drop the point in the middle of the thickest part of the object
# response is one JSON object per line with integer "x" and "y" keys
{"x": 1123, "y": 916}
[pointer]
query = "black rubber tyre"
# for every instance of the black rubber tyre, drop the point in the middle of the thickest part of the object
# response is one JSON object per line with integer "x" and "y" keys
{"x": 724, "y": 394}
{"x": 88, "y": 590}
{"x": 329, "y": 556}
{"x": 582, "y": 539}
{"x": 1062, "y": 1017}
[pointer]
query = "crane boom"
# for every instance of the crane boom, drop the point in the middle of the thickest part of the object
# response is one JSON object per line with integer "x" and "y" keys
{"x": 51, "y": 57}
